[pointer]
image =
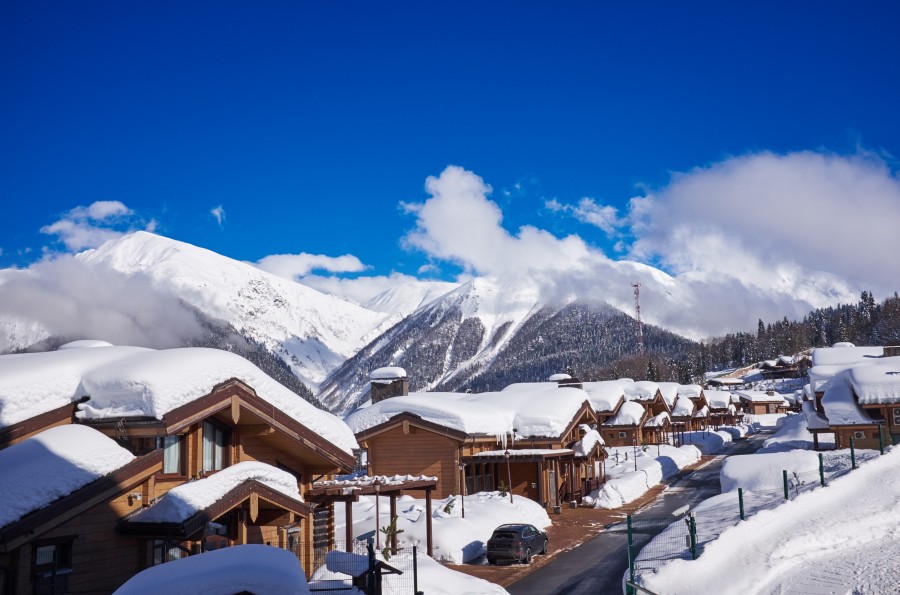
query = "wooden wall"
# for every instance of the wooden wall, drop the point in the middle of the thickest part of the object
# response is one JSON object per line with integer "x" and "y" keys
{"x": 417, "y": 452}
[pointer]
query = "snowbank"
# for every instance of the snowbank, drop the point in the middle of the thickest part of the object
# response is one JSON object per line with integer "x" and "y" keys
{"x": 762, "y": 472}
{"x": 53, "y": 464}
{"x": 709, "y": 442}
{"x": 624, "y": 484}
{"x": 792, "y": 433}
{"x": 250, "y": 568}
{"x": 824, "y": 541}
{"x": 455, "y": 539}
{"x": 152, "y": 383}
{"x": 182, "y": 502}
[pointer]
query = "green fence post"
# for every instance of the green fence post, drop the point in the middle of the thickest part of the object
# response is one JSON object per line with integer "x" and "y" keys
{"x": 880, "y": 441}
{"x": 693, "y": 529}
{"x": 370, "y": 578}
{"x": 415, "y": 571}
{"x": 787, "y": 494}
{"x": 821, "y": 471}
{"x": 629, "y": 590}
{"x": 741, "y": 501}
{"x": 852, "y": 454}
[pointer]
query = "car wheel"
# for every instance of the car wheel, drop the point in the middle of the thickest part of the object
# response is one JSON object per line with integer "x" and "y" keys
{"x": 546, "y": 547}
{"x": 528, "y": 556}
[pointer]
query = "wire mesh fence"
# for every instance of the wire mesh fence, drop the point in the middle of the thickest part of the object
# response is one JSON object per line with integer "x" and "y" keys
{"x": 358, "y": 567}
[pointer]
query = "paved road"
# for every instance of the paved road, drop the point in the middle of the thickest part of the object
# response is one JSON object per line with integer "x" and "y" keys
{"x": 597, "y": 566}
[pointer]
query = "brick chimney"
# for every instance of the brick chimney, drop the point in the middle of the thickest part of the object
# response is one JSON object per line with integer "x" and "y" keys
{"x": 388, "y": 382}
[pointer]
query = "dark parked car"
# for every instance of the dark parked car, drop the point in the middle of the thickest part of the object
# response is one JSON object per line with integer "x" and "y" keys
{"x": 516, "y": 543}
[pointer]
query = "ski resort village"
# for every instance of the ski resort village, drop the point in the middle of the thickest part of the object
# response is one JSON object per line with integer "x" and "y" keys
{"x": 131, "y": 469}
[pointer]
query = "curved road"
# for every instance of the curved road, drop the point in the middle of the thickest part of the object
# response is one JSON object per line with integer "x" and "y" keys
{"x": 598, "y": 565}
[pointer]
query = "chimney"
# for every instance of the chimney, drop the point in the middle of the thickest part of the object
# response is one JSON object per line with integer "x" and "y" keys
{"x": 771, "y": 393}
{"x": 388, "y": 382}
{"x": 566, "y": 380}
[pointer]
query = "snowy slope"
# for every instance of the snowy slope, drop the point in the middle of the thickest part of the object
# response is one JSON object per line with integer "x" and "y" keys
{"x": 313, "y": 332}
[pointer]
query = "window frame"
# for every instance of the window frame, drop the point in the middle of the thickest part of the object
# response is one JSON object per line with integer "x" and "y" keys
{"x": 182, "y": 458}
{"x": 57, "y": 569}
{"x": 220, "y": 452}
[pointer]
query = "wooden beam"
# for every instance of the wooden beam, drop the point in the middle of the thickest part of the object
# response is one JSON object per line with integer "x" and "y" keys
{"x": 428, "y": 538}
{"x": 254, "y": 506}
{"x": 235, "y": 409}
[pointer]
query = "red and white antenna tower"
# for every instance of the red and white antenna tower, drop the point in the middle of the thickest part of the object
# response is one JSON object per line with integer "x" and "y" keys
{"x": 637, "y": 315}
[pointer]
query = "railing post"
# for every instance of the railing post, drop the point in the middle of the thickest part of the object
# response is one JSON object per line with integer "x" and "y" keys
{"x": 415, "y": 571}
{"x": 787, "y": 494}
{"x": 370, "y": 578}
{"x": 693, "y": 528}
{"x": 852, "y": 453}
{"x": 821, "y": 471}
{"x": 741, "y": 502}
{"x": 629, "y": 590}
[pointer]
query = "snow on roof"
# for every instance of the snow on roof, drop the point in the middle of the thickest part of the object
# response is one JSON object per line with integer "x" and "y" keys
{"x": 629, "y": 414}
{"x": 814, "y": 419}
{"x": 657, "y": 420}
{"x": 758, "y": 396}
{"x": 152, "y": 383}
{"x": 843, "y": 354}
{"x": 364, "y": 481}
{"x": 641, "y": 391}
{"x": 387, "y": 373}
{"x": 702, "y": 412}
{"x": 525, "y": 452}
{"x": 84, "y": 343}
{"x": 726, "y": 381}
{"x": 53, "y": 464}
{"x": 543, "y": 409}
{"x": 683, "y": 407}
{"x": 558, "y": 377}
{"x": 877, "y": 383}
{"x": 35, "y": 383}
{"x": 718, "y": 399}
{"x": 605, "y": 395}
{"x": 840, "y": 405}
{"x": 669, "y": 392}
{"x": 692, "y": 391}
{"x": 183, "y": 502}
{"x": 587, "y": 443}
{"x": 786, "y": 360}
{"x": 237, "y": 569}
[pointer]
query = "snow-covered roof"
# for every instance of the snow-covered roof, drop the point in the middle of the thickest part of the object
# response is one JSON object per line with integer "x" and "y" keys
{"x": 843, "y": 354}
{"x": 35, "y": 383}
{"x": 814, "y": 419}
{"x": 558, "y": 377}
{"x": 587, "y": 443}
{"x": 152, "y": 383}
{"x": 877, "y": 383}
{"x": 702, "y": 412}
{"x": 718, "y": 399}
{"x": 629, "y": 414}
{"x": 669, "y": 391}
{"x": 726, "y": 381}
{"x": 692, "y": 391}
{"x": 182, "y": 502}
{"x": 541, "y": 409}
{"x": 238, "y": 569}
{"x": 840, "y": 405}
{"x": 365, "y": 481}
{"x": 605, "y": 395}
{"x": 387, "y": 373}
{"x": 657, "y": 420}
{"x": 84, "y": 343}
{"x": 53, "y": 464}
{"x": 684, "y": 406}
{"x": 758, "y": 396}
{"x": 526, "y": 452}
{"x": 644, "y": 390}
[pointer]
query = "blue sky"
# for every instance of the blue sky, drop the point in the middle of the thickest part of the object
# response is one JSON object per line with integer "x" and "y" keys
{"x": 311, "y": 123}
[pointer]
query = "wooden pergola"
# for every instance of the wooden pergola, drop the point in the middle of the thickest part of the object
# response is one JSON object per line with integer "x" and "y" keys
{"x": 349, "y": 491}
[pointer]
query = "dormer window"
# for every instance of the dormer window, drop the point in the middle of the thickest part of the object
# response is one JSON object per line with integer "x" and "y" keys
{"x": 216, "y": 439}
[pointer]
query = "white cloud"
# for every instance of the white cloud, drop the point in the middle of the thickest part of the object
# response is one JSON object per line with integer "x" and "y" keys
{"x": 294, "y": 266}
{"x": 219, "y": 214}
{"x": 88, "y": 227}
{"x": 605, "y": 217}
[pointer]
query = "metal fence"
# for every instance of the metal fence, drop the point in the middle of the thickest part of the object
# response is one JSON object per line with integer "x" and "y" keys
{"x": 655, "y": 540}
{"x": 357, "y": 567}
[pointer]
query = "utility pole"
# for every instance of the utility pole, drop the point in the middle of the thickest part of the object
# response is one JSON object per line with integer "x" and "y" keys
{"x": 637, "y": 315}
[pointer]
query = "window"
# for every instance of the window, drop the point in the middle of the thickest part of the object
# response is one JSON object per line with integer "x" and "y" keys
{"x": 165, "y": 551}
{"x": 215, "y": 446}
{"x": 171, "y": 454}
{"x": 52, "y": 567}
{"x": 623, "y": 434}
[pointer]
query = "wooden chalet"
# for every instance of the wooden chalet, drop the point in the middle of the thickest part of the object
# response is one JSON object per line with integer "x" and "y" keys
{"x": 626, "y": 427}
{"x": 414, "y": 436}
{"x": 722, "y": 411}
{"x": 101, "y": 534}
{"x": 759, "y": 403}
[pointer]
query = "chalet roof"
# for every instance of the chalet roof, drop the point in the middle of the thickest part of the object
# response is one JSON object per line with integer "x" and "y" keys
{"x": 814, "y": 419}
{"x": 877, "y": 384}
{"x": 643, "y": 390}
{"x": 53, "y": 464}
{"x": 840, "y": 405}
{"x": 588, "y": 443}
{"x": 184, "y": 501}
{"x": 669, "y": 391}
{"x": 629, "y": 414}
{"x": 658, "y": 420}
{"x": 844, "y": 354}
{"x": 702, "y": 412}
{"x": 152, "y": 383}
{"x": 35, "y": 383}
{"x": 605, "y": 396}
{"x": 718, "y": 399}
{"x": 684, "y": 407}
{"x": 756, "y": 396}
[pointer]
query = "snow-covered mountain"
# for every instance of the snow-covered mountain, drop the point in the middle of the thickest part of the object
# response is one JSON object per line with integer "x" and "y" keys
{"x": 487, "y": 334}
{"x": 312, "y": 332}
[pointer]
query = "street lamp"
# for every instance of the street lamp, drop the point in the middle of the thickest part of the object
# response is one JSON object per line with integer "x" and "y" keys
{"x": 377, "y": 485}
{"x": 508, "y": 474}
{"x": 462, "y": 472}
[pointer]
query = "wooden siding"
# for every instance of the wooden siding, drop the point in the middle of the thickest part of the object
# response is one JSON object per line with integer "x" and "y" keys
{"x": 418, "y": 452}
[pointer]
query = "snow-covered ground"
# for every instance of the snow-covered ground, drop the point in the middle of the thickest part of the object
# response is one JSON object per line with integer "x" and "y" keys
{"x": 837, "y": 539}
{"x": 456, "y": 540}
{"x": 791, "y": 433}
{"x": 624, "y": 484}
